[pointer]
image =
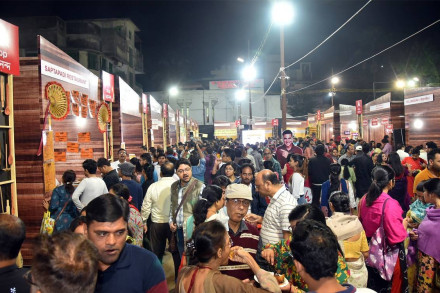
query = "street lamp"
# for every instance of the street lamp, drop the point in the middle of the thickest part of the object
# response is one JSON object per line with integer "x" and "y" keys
{"x": 173, "y": 91}
{"x": 249, "y": 73}
{"x": 240, "y": 95}
{"x": 282, "y": 14}
{"x": 334, "y": 81}
{"x": 239, "y": 59}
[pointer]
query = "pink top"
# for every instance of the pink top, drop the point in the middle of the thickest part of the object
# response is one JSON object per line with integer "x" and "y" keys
{"x": 393, "y": 221}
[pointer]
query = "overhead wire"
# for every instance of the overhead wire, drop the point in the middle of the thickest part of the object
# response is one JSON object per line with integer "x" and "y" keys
{"x": 365, "y": 60}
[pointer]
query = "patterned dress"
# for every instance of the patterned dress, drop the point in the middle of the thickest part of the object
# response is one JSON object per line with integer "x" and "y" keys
{"x": 57, "y": 202}
{"x": 135, "y": 226}
{"x": 428, "y": 275}
{"x": 284, "y": 263}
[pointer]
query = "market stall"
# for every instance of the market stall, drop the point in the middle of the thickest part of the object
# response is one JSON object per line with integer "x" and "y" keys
{"x": 225, "y": 130}
{"x": 329, "y": 124}
{"x": 348, "y": 122}
{"x": 156, "y": 122}
{"x": 172, "y": 126}
{"x": 298, "y": 127}
{"x": 382, "y": 116}
{"x": 422, "y": 108}
{"x": 58, "y": 125}
{"x": 312, "y": 125}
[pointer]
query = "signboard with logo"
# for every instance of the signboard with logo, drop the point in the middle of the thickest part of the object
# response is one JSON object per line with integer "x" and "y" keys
{"x": 318, "y": 115}
{"x": 389, "y": 128}
{"x": 374, "y": 122}
{"x": 108, "y": 86}
{"x": 365, "y": 123}
{"x": 235, "y": 84}
{"x": 9, "y": 49}
{"x": 129, "y": 99}
{"x": 347, "y": 132}
{"x": 378, "y": 107}
{"x": 237, "y": 123}
{"x": 385, "y": 121}
{"x": 253, "y": 136}
{"x": 274, "y": 122}
{"x": 358, "y": 107}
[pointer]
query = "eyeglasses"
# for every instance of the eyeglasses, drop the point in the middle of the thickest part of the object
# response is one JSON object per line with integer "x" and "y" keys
{"x": 183, "y": 170}
{"x": 238, "y": 202}
{"x": 28, "y": 277}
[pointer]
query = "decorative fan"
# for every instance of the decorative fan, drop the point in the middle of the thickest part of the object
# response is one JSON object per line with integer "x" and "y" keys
{"x": 58, "y": 102}
{"x": 103, "y": 117}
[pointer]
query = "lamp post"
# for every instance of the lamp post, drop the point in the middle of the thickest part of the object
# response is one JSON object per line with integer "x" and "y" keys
{"x": 249, "y": 75}
{"x": 240, "y": 95}
{"x": 334, "y": 81}
{"x": 282, "y": 14}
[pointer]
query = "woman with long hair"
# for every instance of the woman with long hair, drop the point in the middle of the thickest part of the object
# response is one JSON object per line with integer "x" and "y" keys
{"x": 347, "y": 172}
{"x": 351, "y": 235}
{"x": 278, "y": 256}
{"x": 212, "y": 248}
{"x": 400, "y": 189}
{"x": 382, "y": 159}
{"x": 335, "y": 183}
{"x": 61, "y": 207}
{"x": 206, "y": 209}
{"x": 296, "y": 182}
{"x": 377, "y": 203}
{"x": 210, "y": 160}
{"x": 308, "y": 150}
{"x": 428, "y": 237}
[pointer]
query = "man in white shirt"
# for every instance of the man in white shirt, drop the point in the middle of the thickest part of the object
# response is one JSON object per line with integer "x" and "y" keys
{"x": 401, "y": 151}
{"x": 122, "y": 158}
{"x": 161, "y": 159}
{"x": 157, "y": 203}
{"x": 90, "y": 187}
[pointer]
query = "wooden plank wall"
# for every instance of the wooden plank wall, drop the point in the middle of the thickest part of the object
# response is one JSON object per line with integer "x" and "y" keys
{"x": 116, "y": 122}
{"x": 131, "y": 129}
{"x": 28, "y": 126}
{"x": 428, "y": 113}
{"x": 330, "y": 126}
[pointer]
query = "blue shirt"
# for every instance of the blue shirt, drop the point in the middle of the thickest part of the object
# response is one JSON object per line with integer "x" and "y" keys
{"x": 136, "y": 270}
{"x": 135, "y": 192}
{"x": 199, "y": 171}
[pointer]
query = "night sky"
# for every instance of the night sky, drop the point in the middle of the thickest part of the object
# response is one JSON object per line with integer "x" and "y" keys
{"x": 185, "y": 40}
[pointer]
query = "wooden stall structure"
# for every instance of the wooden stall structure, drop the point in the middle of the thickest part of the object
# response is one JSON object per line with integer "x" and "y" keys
{"x": 146, "y": 121}
{"x": 312, "y": 125}
{"x": 56, "y": 102}
{"x": 422, "y": 119}
{"x": 182, "y": 128}
{"x": 9, "y": 67}
{"x": 266, "y": 126}
{"x": 348, "y": 122}
{"x": 172, "y": 134}
{"x": 130, "y": 121}
{"x": 330, "y": 124}
{"x": 298, "y": 127}
{"x": 383, "y": 115}
{"x": 156, "y": 122}
{"x": 224, "y": 130}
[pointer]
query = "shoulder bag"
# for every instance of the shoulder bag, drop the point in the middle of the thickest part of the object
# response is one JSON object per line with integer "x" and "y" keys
{"x": 383, "y": 257}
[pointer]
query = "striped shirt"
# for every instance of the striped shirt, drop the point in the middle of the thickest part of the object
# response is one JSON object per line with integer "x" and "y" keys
{"x": 276, "y": 218}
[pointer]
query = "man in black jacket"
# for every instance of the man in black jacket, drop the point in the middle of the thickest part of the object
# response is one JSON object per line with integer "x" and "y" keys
{"x": 363, "y": 165}
{"x": 319, "y": 172}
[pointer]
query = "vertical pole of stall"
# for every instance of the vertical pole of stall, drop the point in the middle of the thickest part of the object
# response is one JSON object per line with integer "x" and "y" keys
{"x": 111, "y": 133}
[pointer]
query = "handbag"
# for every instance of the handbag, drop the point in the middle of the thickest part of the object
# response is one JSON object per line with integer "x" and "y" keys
{"x": 382, "y": 257}
{"x": 172, "y": 241}
{"x": 48, "y": 224}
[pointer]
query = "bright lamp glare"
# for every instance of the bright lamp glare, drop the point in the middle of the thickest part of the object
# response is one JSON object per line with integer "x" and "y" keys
{"x": 282, "y": 13}
{"x": 330, "y": 94}
{"x": 173, "y": 91}
{"x": 418, "y": 124}
{"x": 416, "y": 79}
{"x": 400, "y": 84}
{"x": 411, "y": 83}
{"x": 239, "y": 59}
{"x": 240, "y": 95}
{"x": 249, "y": 73}
{"x": 335, "y": 80}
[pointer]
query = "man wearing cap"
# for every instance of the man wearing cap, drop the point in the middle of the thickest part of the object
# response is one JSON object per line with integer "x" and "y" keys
{"x": 238, "y": 200}
{"x": 363, "y": 165}
{"x": 125, "y": 171}
{"x": 90, "y": 187}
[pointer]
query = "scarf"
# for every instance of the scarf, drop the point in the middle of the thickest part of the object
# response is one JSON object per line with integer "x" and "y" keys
{"x": 429, "y": 234}
{"x": 418, "y": 210}
{"x": 344, "y": 226}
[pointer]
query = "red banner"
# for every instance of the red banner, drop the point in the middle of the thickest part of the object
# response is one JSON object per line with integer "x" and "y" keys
{"x": 108, "y": 86}
{"x": 358, "y": 107}
{"x": 274, "y": 122}
{"x": 318, "y": 115}
{"x": 144, "y": 103}
{"x": 165, "y": 111}
{"x": 385, "y": 121}
{"x": 374, "y": 122}
{"x": 237, "y": 123}
{"x": 9, "y": 49}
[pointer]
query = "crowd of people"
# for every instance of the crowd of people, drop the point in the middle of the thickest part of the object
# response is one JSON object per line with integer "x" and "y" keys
{"x": 290, "y": 215}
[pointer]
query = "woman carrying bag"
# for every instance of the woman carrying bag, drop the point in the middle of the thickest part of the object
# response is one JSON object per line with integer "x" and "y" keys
{"x": 61, "y": 207}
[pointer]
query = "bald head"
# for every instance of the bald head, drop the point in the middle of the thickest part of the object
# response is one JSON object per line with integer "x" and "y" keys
{"x": 12, "y": 234}
{"x": 267, "y": 183}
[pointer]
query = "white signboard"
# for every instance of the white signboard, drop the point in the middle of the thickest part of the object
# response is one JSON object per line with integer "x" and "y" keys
{"x": 328, "y": 115}
{"x": 378, "y": 107}
{"x": 253, "y": 136}
{"x": 419, "y": 100}
{"x": 63, "y": 74}
{"x": 129, "y": 99}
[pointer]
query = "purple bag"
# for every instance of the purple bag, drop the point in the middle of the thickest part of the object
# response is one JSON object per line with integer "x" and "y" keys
{"x": 382, "y": 256}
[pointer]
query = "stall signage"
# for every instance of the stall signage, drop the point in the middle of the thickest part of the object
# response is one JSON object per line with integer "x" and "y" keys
{"x": 63, "y": 74}
{"x": 365, "y": 123}
{"x": 318, "y": 115}
{"x": 233, "y": 84}
{"x": 165, "y": 111}
{"x": 328, "y": 115}
{"x": 347, "y": 132}
{"x": 225, "y": 132}
{"x": 378, "y": 107}
{"x": 129, "y": 99}
{"x": 9, "y": 49}
{"x": 274, "y": 122}
{"x": 419, "y": 100}
{"x": 345, "y": 113}
{"x": 108, "y": 86}
{"x": 358, "y": 107}
{"x": 237, "y": 123}
{"x": 294, "y": 123}
{"x": 145, "y": 104}
{"x": 389, "y": 128}
{"x": 374, "y": 122}
{"x": 385, "y": 121}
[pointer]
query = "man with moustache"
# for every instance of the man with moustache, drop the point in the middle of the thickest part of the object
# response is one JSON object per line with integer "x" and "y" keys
{"x": 284, "y": 150}
{"x": 122, "y": 158}
{"x": 238, "y": 201}
{"x": 122, "y": 267}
